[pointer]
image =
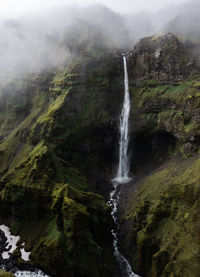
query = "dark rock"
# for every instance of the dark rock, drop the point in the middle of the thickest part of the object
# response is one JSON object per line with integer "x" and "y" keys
{"x": 188, "y": 147}
{"x": 161, "y": 58}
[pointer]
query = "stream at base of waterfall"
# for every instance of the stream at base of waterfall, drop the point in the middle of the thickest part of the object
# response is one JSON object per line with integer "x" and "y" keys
{"x": 122, "y": 176}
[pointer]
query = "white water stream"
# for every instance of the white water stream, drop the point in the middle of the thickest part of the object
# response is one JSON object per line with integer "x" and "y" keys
{"x": 38, "y": 273}
{"x": 122, "y": 175}
{"x": 12, "y": 244}
{"x": 11, "y": 247}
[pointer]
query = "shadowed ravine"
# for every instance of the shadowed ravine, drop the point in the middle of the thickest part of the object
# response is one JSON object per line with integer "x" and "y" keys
{"x": 122, "y": 175}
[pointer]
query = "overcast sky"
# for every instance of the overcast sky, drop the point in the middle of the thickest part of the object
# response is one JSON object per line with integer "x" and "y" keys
{"x": 16, "y": 7}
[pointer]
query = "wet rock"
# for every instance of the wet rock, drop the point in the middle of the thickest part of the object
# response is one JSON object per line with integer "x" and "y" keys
{"x": 188, "y": 147}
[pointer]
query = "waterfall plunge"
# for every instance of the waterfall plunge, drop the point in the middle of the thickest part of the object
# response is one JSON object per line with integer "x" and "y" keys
{"x": 123, "y": 168}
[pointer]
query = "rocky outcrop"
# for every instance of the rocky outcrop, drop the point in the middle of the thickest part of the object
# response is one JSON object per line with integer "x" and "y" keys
{"x": 163, "y": 58}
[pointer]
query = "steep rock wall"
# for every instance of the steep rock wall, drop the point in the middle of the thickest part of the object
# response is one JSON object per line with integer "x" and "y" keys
{"x": 159, "y": 211}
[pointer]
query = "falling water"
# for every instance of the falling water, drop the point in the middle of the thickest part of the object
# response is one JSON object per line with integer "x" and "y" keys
{"x": 123, "y": 168}
{"x": 122, "y": 175}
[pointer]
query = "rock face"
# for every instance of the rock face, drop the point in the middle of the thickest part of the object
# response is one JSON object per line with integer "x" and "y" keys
{"x": 165, "y": 98}
{"x": 162, "y": 58}
{"x": 160, "y": 211}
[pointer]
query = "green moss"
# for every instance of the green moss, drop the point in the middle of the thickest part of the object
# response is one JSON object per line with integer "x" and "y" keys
{"x": 172, "y": 108}
{"x": 173, "y": 91}
{"x": 6, "y": 274}
{"x": 62, "y": 81}
{"x": 44, "y": 192}
{"x": 166, "y": 208}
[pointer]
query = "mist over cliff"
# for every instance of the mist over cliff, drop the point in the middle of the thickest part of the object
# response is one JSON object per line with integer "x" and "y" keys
{"x": 45, "y": 40}
{"x": 62, "y": 81}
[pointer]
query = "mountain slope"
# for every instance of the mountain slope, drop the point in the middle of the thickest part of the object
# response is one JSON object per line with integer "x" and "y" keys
{"x": 52, "y": 164}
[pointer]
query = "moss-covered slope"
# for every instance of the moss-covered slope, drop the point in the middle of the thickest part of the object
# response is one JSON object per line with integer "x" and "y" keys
{"x": 163, "y": 218}
{"x": 51, "y": 163}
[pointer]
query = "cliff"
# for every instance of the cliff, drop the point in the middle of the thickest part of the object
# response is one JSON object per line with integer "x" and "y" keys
{"x": 59, "y": 147}
{"x": 159, "y": 210}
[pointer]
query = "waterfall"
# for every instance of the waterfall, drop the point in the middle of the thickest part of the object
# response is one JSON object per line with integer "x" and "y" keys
{"x": 122, "y": 175}
{"x": 123, "y": 167}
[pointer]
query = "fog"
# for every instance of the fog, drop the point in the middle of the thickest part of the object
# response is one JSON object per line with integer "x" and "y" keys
{"x": 17, "y": 7}
{"x": 36, "y": 36}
